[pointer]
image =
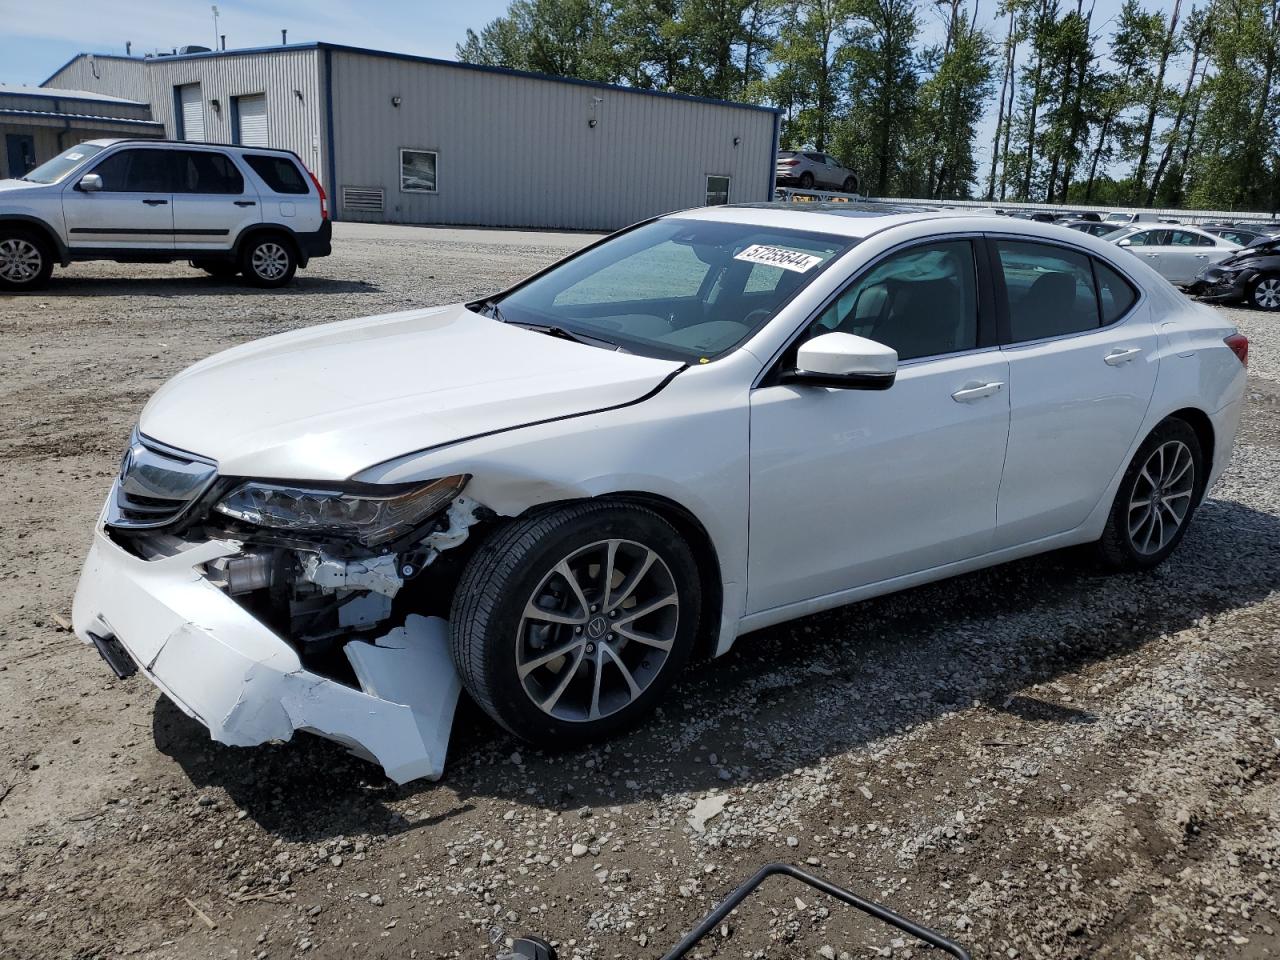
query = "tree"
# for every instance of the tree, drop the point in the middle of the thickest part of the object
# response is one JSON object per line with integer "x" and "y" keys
{"x": 567, "y": 38}
{"x": 949, "y": 105}
{"x": 810, "y": 73}
{"x": 1156, "y": 94}
{"x": 881, "y": 86}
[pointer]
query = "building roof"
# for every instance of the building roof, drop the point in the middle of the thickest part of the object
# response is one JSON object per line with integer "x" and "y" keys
{"x": 413, "y": 58}
{"x": 60, "y": 94}
{"x": 82, "y": 119}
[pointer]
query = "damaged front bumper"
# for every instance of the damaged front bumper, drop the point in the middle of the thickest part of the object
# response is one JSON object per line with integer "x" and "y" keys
{"x": 225, "y": 668}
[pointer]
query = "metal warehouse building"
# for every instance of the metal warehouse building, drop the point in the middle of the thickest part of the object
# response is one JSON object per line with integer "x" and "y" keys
{"x": 408, "y": 139}
{"x": 36, "y": 124}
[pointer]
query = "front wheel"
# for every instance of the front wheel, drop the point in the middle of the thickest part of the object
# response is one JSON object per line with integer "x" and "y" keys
{"x": 850, "y": 185}
{"x": 568, "y": 626}
{"x": 1265, "y": 294}
{"x": 1156, "y": 500}
{"x": 25, "y": 261}
{"x": 268, "y": 261}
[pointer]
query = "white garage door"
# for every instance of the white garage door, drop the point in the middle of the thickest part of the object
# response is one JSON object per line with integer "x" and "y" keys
{"x": 253, "y": 120}
{"x": 192, "y": 112}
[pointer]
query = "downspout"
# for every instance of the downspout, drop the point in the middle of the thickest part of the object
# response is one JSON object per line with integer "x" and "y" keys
{"x": 332, "y": 162}
{"x": 773, "y": 157}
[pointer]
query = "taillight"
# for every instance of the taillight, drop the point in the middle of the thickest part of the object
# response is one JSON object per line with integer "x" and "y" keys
{"x": 1239, "y": 345}
{"x": 788, "y": 163}
{"x": 324, "y": 199}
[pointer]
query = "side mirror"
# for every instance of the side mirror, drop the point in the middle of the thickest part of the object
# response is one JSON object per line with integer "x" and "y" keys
{"x": 844, "y": 361}
{"x": 90, "y": 183}
{"x": 1126, "y": 242}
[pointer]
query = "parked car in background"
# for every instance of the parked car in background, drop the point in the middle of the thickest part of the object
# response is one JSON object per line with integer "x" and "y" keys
{"x": 1123, "y": 218}
{"x": 227, "y": 210}
{"x": 1079, "y": 215}
{"x": 559, "y": 495}
{"x": 811, "y": 169}
{"x": 1178, "y": 254}
{"x": 1241, "y": 235}
{"x": 1094, "y": 228}
{"x": 1251, "y": 275}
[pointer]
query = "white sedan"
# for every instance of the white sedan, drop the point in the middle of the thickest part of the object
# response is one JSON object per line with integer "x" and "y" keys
{"x": 1178, "y": 253}
{"x": 702, "y": 425}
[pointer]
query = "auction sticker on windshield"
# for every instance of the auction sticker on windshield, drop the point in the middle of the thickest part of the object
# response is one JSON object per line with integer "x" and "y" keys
{"x": 792, "y": 260}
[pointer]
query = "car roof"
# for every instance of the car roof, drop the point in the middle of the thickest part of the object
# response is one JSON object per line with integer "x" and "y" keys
{"x": 841, "y": 219}
{"x": 159, "y": 142}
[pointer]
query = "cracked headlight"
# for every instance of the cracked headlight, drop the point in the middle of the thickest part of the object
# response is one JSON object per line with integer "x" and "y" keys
{"x": 369, "y": 515}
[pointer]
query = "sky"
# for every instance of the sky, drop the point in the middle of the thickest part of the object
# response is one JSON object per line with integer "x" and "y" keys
{"x": 38, "y": 36}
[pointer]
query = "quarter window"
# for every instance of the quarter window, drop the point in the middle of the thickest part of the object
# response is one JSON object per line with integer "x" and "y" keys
{"x": 1115, "y": 295}
{"x": 921, "y": 301}
{"x": 1050, "y": 290}
{"x": 280, "y": 174}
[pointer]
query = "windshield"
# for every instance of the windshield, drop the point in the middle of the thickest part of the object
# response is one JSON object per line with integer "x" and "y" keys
{"x": 51, "y": 171}
{"x": 681, "y": 289}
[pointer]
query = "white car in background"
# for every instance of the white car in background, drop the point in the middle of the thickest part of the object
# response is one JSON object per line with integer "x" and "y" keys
{"x": 706, "y": 424}
{"x": 1178, "y": 253}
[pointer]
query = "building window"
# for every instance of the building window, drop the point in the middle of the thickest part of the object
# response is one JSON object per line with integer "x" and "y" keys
{"x": 717, "y": 190}
{"x": 418, "y": 171}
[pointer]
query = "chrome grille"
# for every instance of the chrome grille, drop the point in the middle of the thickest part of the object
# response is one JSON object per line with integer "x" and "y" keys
{"x": 157, "y": 484}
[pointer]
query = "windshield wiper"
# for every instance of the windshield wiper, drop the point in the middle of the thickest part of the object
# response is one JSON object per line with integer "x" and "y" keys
{"x": 551, "y": 330}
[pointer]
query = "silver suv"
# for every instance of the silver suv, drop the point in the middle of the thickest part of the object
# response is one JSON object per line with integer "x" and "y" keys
{"x": 226, "y": 209}
{"x": 811, "y": 170}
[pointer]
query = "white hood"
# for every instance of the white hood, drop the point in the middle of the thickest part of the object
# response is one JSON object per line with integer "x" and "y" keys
{"x": 326, "y": 402}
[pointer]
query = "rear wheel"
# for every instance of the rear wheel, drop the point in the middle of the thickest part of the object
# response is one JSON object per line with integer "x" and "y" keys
{"x": 1156, "y": 500}
{"x": 25, "y": 260}
{"x": 268, "y": 260}
{"x": 568, "y": 626}
{"x": 222, "y": 269}
{"x": 806, "y": 180}
{"x": 1265, "y": 294}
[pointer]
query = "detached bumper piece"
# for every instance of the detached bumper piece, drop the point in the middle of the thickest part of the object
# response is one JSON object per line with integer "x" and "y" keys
{"x": 117, "y": 657}
{"x": 230, "y": 672}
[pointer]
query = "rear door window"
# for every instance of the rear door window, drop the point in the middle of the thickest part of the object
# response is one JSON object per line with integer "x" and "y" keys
{"x": 1050, "y": 290}
{"x": 280, "y": 174}
{"x": 203, "y": 171}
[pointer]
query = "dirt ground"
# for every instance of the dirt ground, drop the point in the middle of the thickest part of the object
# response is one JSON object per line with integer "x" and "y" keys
{"x": 1038, "y": 760}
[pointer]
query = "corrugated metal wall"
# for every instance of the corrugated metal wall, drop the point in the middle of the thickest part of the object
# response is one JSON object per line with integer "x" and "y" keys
{"x": 517, "y": 151}
{"x": 52, "y": 136}
{"x": 115, "y": 76}
{"x": 294, "y": 119}
{"x": 48, "y": 101}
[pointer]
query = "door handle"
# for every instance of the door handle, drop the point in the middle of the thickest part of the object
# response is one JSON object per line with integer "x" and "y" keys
{"x": 976, "y": 391}
{"x": 1202, "y": 256}
{"x": 246, "y": 203}
{"x": 1121, "y": 355}
{"x": 155, "y": 203}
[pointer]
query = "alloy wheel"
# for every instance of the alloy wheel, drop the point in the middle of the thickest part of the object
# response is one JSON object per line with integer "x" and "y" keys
{"x": 1267, "y": 294}
{"x": 597, "y": 630}
{"x": 20, "y": 260}
{"x": 1161, "y": 497}
{"x": 270, "y": 261}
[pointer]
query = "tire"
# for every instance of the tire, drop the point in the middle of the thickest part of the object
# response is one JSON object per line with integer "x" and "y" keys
{"x": 26, "y": 260}
{"x": 268, "y": 260}
{"x": 850, "y": 185}
{"x": 1265, "y": 293}
{"x": 1136, "y": 536}
{"x": 552, "y": 702}
{"x": 806, "y": 180}
{"x": 222, "y": 269}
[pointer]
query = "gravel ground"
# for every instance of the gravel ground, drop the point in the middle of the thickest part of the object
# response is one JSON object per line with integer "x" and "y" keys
{"x": 1038, "y": 760}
